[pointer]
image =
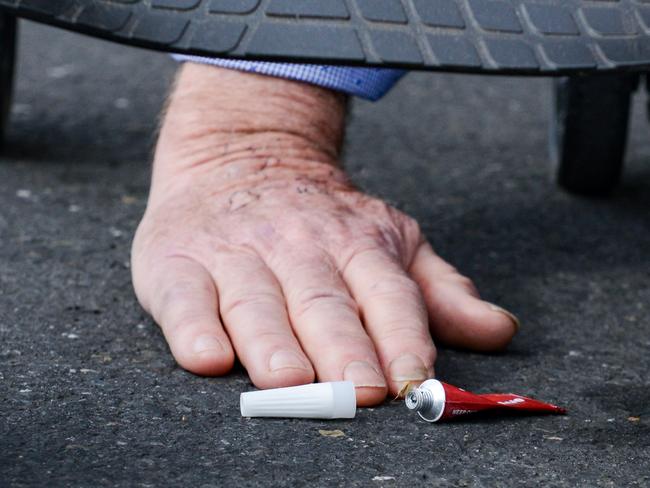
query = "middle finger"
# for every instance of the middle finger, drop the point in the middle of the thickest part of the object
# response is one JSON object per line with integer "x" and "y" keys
{"x": 326, "y": 320}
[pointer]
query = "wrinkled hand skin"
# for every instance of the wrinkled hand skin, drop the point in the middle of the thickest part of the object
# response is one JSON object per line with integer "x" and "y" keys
{"x": 255, "y": 244}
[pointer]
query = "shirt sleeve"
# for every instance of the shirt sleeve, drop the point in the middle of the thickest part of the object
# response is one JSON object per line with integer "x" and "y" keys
{"x": 368, "y": 83}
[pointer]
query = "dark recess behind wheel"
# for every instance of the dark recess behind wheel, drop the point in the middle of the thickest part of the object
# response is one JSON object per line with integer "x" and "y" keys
{"x": 549, "y": 37}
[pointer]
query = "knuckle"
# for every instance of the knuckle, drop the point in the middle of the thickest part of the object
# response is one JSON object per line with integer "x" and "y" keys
{"x": 464, "y": 282}
{"x": 394, "y": 285}
{"x": 176, "y": 316}
{"x": 181, "y": 290}
{"x": 235, "y": 303}
{"x": 270, "y": 336}
{"x": 310, "y": 298}
{"x": 298, "y": 229}
{"x": 355, "y": 253}
{"x": 388, "y": 238}
{"x": 344, "y": 341}
{"x": 152, "y": 236}
{"x": 402, "y": 331}
{"x": 173, "y": 303}
{"x": 411, "y": 227}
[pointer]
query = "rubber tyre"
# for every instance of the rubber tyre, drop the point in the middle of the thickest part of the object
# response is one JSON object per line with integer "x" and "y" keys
{"x": 588, "y": 133}
{"x": 8, "y": 41}
{"x": 536, "y": 37}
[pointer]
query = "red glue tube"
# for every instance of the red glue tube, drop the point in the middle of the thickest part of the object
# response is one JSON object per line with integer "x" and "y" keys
{"x": 434, "y": 400}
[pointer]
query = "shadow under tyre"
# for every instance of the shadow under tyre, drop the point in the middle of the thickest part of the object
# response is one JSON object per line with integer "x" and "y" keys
{"x": 589, "y": 125}
{"x": 8, "y": 30}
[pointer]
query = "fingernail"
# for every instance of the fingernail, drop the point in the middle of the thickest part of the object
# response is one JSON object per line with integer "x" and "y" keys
{"x": 408, "y": 367}
{"x": 207, "y": 343}
{"x": 286, "y": 359}
{"x": 510, "y": 315}
{"x": 363, "y": 374}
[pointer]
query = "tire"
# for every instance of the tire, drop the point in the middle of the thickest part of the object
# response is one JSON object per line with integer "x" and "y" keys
{"x": 538, "y": 37}
{"x": 588, "y": 133}
{"x": 8, "y": 32}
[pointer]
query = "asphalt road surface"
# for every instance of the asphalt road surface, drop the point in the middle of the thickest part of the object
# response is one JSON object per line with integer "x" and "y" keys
{"x": 90, "y": 396}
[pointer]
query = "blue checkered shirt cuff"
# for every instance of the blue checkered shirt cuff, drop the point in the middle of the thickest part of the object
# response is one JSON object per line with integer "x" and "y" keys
{"x": 368, "y": 83}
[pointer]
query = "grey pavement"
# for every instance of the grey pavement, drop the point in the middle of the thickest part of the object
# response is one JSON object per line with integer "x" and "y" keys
{"x": 90, "y": 396}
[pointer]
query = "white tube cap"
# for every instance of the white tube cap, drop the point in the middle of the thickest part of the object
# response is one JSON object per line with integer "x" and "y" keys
{"x": 335, "y": 400}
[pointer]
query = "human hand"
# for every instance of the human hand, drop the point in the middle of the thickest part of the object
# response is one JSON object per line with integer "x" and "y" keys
{"x": 254, "y": 243}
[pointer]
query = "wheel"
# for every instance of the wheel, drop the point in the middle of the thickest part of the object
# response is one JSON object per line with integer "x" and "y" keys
{"x": 8, "y": 31}
{"x": 589, "y": 131}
